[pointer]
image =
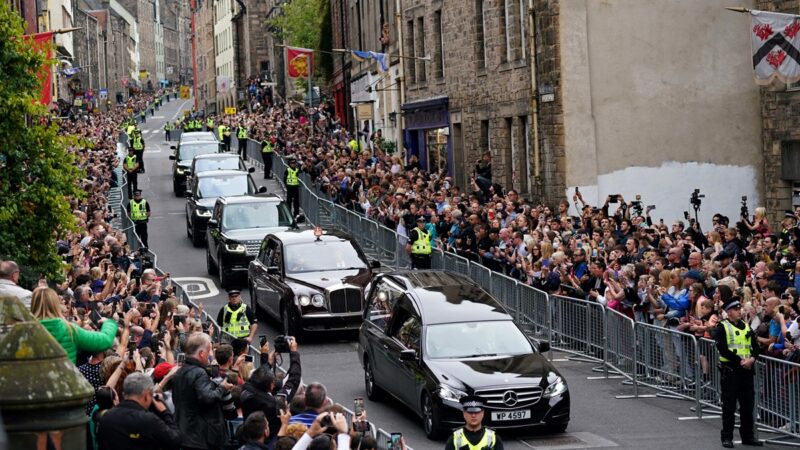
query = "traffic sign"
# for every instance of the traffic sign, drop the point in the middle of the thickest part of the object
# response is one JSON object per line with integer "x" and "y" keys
{"x": 230, "y": 111}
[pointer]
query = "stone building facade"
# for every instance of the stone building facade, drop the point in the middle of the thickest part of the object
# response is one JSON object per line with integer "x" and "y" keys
{"x": 473, "y": 95}
{"x": 144, "y": 12}
{"x": 170, "y": 22}
{"x": 340, "y": 86}
{"x": 205, "y": 54}
{"x": 780, "y": 109}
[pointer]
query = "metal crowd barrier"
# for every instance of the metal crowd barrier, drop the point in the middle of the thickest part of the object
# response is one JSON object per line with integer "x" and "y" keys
{"x": 674, "y": 364}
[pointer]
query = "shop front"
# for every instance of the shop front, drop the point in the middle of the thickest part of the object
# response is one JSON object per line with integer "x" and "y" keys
{"x": 427, "y": 134}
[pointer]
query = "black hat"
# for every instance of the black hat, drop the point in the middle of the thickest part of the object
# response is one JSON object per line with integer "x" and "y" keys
{"x": 420, "y": 218}
{"x": 232, "y": 292}
{"x": 733, "y": 303}
{"x": 471, "y": 403}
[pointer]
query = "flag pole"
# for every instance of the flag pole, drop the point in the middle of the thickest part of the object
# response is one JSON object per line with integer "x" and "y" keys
{"x": 738, "y": 9}
{"x": 421, "y": 58}
{"x": 310, "y": 98}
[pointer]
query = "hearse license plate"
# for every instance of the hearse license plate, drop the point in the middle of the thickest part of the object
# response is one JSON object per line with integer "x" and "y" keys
{"x": 511, "y": 415}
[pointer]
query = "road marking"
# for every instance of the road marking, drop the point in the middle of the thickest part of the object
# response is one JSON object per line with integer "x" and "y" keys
{"x": 198, "y": 287}
{"x": 180, "y": 109}
{"x": 157, "y": 117}
{"x": 145, "y": 131}
{"x": 182, "y": 213}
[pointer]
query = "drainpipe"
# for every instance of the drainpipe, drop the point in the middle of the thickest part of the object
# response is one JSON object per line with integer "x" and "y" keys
{"x": 401, "y": 79}
{"x": 534, "y": 95}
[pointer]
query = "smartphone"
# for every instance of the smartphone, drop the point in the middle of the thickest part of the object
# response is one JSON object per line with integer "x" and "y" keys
{"x": 395, "y": 440}
{"x": 131, "y": 346}
{"x": 361, "y": 426}
{"x": 358, "y": 406}
{"x": 248, "y": 358}
{"x": 181, "y": 358}
{"x": 151, "y": 306}
{"x": 651, "y": 207}
{"x": 280, "y": 403}
{"x": 576, "y": 190}
{"x": 262, "y": 339}
{"x": 613, "y": 198}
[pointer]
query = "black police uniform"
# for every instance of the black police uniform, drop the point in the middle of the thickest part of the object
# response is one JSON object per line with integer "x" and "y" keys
{"x": 737, "y": 383}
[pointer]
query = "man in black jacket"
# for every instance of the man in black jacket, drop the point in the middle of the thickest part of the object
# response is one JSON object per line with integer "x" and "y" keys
{"x": 260, "y": 392}
{"x": 140, "y": 422}
{"x": 198, "y": 399}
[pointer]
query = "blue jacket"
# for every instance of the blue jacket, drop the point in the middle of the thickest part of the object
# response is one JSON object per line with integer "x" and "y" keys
{"x": 679, "y": 303}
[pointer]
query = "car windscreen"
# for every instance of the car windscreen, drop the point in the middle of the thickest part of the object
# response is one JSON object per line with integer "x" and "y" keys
{"x": 201, "y": 165}
{"x": 191, "y": 137}
{"x": 222, "y": 186}
{"x": 475, "y": 339}
{"x": 256, "y": 215}
{"x": 320, "y": 256}
{"x": 188, "y": 151}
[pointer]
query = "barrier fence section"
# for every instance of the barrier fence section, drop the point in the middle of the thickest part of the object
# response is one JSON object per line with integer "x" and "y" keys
{"x": 673, "y": 363}
{"x": 219, "y": 335}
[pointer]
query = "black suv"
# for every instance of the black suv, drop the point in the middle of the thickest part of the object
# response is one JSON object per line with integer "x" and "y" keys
{"x": 203, "y": 192}
{"x": 310, "y": 280}
{"x": 184, "y": 154}
{"x": 236, "y": 229}
{"x": 431, "y": 337}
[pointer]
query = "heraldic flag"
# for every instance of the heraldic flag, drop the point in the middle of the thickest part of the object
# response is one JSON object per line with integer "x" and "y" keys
{"x": 775, "y": 39}
{"x": 43, "y": 43}
{"x": 299, "y": 61}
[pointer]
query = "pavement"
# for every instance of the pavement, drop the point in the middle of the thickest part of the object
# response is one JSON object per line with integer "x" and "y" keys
{"x": 598, "y": 419}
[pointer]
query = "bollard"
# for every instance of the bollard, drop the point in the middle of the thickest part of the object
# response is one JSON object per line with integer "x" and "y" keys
{"x": 43, "y": 396}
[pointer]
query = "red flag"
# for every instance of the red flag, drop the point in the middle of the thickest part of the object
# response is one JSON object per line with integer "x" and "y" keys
{"x": 299, "y": 61}
{"x": 43, "y": 43}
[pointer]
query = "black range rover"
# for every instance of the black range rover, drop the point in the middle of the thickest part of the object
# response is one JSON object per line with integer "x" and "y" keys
{"x": 431, "y": 337}
{"x": 236, "y": 229}
{"x": 184, "y": 154}
{"x": 310, "y": 281}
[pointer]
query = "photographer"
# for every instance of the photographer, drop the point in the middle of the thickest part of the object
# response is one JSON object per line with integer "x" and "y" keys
{"x": 264, "y": 392}
{"x": 760, "y": 225}
{"x": 140, "y": 421}
{"x": 201, "y": 404}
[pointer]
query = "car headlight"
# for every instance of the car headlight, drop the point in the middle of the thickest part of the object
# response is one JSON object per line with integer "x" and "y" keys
{"x": 203, "y": 212}
{"x": 304, "y": 300}
{"x": 318, "y": 301}
{"x": 180, "y": 170}
{"x": 235, "y": 247}
{"x": 450, "y": 394}
{"x": 557, "y": 386}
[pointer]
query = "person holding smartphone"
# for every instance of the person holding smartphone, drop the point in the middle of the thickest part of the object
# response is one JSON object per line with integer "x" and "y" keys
{"x": 473, "y": 434}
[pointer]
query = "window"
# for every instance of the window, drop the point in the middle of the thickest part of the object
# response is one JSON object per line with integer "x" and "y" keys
{"x": 420, "y": 41}
{"x": 526, "y": 157}
{"x": 480, "y": 42}
{"x": 410, "y": 50}
{"x": 407, "y": 327}
{"x": 522, "y": 17}
{"x": 384, "y": 297}
{"x": 510, "y": 153}
{"x": 484, "y": 137}
{"x": 438, "y": 45}
{"x": 505, "y": 56}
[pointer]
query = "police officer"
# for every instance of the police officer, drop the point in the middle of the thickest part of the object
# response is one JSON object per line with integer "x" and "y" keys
{"x": 738, "y": 350}
{"x": 226, "y": 138}
{"x": 137, "y": 144}
{"x": 221, "y": 133}
{"x": 419, "y": 245}
{"x": 473, "y": 436}
{"x": 237, "y": 318}
{"x": 131, "y": 166}
{"x": 291, "y": 179}
{"x": 241, "y": 136}
{"x": 210, "y": 124}
{"x": 142, "y": 115}
{"x": 139, "y": 212}
{"x": 266, "y": 155}
{"x": 168, "y": 127}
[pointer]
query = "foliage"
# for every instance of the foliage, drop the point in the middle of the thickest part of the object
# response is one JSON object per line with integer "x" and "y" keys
{"x": 37, "y": 173}
{"x": 301, "y": 25}
{"x": 388, "y": 147}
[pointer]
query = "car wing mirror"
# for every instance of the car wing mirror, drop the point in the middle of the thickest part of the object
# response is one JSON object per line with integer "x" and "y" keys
{"x": 544, "y": 346}
{"x": 262, "y": 190}
{"x": 173, "y": 147}
{"x": 408, "y": 355}
{"x": 172, "y": 157}
{"x": 251, "y": 170}
{"x": 374, "y": 264}
{"x": 300, "y": 218}
{"x": 212, "y": 223}
{"x": 187, "y": 193}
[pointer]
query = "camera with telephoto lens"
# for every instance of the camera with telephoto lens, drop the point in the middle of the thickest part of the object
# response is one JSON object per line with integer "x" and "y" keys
{"x": 281, "y": 344}
{"x": 695, "y": 199}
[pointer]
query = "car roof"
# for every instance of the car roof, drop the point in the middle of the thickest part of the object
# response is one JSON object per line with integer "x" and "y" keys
{"x": 220, "y": 173}
{"x": 199, "y": 142}
{"x": 217, "y": 156}
{"x": 192, "y": 135}
{"x": 301, "y": 236}
{"x": 261, "y": 198}
{"x": 446, "y": 297}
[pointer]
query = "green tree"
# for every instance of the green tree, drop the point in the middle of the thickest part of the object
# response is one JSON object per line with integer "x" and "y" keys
{"x": 301, "y": 25}
{"x": 38, "y": 176}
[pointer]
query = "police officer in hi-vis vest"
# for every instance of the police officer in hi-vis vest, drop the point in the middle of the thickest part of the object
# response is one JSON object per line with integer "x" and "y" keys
{"x": 738, "y": 350}
{"x": 266, "y": 155}
{"x": 473, "y": 436}
{"x": 241, "y": 137}
{"x": 419, "y": 245}
{"x": 137, "y": 144}
{"x": 237, "y": 318}
{"x": 291, "y": 179}
{"x": 131, "y": 166}
{"x": 139, "y": 212}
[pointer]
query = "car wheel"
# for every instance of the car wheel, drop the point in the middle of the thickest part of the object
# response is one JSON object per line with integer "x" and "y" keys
{"x": 557, "y": 428}
{"x": 210, "y": 267}
{"x": 430, "y": 417}
{"x": 374, "y": 392}
{"x": 224, "y": 277}
{"x": 197, "y": 239}
{"x": 177, "y": 190}
{"x": 289, "y": 323}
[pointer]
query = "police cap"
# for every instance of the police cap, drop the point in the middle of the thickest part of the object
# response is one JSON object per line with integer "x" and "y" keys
{"x": 471, "y": 403}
